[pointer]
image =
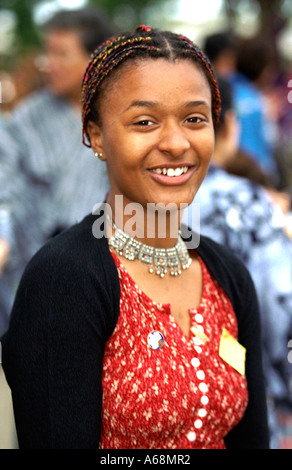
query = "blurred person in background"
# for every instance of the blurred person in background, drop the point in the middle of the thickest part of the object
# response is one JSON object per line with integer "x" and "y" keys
{"x": 255, "y": 72}
{"x": 27, "y": 76}
{"x": 242, "y": 216}
{"x": 247, "y": 65}
{"x": 50, "y": 179}
{"x": 221, "y": 49}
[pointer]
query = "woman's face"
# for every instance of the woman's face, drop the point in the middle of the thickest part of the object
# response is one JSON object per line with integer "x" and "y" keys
{"x": 156, "y": 132}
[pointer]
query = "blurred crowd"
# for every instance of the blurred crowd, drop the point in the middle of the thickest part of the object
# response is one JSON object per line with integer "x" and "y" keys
{"x": 50, "y": 180}
{"x": 245, "y": 200}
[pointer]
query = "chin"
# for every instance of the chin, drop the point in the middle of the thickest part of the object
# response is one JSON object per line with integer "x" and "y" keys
{"x": 54, "y": 89}
{"x": 58, "y": 90}
{"x": 171, "y": 205}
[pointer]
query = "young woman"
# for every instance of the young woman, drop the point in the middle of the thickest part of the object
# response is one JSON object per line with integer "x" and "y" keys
{"x": 122, "y": 335}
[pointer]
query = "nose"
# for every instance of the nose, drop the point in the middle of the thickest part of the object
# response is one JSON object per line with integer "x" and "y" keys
{"x": 173, "y": 140}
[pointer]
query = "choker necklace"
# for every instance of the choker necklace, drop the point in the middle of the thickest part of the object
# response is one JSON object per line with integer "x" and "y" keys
{"x": 160, "y": 260}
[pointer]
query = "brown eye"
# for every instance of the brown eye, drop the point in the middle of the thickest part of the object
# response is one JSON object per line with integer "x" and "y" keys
{"x": 195, "y": 119}
{"x": 144, "y": 123}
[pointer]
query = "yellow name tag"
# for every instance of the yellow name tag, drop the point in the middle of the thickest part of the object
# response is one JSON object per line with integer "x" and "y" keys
{"x": 232, "y": 352}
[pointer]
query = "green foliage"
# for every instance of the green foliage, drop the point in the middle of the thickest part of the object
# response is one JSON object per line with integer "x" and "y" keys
{"x": 131, "y": 12}
{"x": 137, "y": 5}
{"x": 128, "y": 13}
{"x": 26, "y": 33}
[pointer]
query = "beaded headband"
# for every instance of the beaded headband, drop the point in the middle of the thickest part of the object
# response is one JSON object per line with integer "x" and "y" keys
{"x": 116, "y": 49}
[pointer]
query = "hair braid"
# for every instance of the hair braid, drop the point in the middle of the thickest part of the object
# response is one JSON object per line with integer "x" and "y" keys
{"x": 142, "y": 43}
{"x": 216, "y": 98}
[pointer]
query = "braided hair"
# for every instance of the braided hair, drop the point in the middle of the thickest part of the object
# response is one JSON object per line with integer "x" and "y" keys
{"x": 143, "y": 43}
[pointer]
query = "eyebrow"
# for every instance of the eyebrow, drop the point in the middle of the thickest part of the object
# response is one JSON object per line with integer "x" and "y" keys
{"x": 194, "y": 104}
{"x": 150, "y": 104}
{"x": 141, "y": 104}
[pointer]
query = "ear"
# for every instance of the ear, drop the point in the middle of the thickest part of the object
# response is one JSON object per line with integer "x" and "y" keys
{"x": 95, "y": 135}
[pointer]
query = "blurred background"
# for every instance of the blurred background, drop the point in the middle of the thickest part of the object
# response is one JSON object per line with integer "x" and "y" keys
{"x": 20, "y": 42}
{"x": 22, "y": 60}
{"x": 23, "y": 64}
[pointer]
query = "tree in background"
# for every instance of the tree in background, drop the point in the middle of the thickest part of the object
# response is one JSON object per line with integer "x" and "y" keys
{"x": 131, "y": 12}
{"x": 272, "y": 18}
{"x": 26, "y": 33}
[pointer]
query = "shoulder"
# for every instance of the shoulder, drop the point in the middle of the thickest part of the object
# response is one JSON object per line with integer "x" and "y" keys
{"x": 230, "y": 182}
{"x": 230, "y": 273}
{"x": 213, "y": 253}
{"x": 36, "y": 108}
{"x": 240, "y": 202}
{"x": 35, "y": 100}
{"x": 222, "y": 186}
{"x": 75, "y": 257}
{"x": 71, "y": 280}
{"x": 27, "y": 116}
{"x": 221, "y": 261}
{"x": 243, "y": 86}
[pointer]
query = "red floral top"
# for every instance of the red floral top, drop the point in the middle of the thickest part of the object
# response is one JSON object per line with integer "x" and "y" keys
{"x": 162, "y": 390}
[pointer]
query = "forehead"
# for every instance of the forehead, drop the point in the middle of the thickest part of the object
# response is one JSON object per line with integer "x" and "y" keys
{"x": 159, "y": 80}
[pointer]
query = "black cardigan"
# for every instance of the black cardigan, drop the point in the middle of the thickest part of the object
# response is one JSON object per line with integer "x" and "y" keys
{"x": 66, "y": 307}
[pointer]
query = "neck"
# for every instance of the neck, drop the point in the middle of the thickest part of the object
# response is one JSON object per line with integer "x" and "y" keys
{"x": 75, "y": 103}
{"x": 72, "y": 99}
{"x": 219, "y": 158}
{"x": 150, "y": 226}
{"x": 161, "y": 260}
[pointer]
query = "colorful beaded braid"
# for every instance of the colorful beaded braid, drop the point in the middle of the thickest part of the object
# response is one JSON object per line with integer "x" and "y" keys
{"x": 216, "y": 98}
{"x": 115, "y": 50}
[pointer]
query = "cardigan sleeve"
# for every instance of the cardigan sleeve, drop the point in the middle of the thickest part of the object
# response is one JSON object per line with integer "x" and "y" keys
{"x": 52, "y": 353}
{"x": 252, "y": 431}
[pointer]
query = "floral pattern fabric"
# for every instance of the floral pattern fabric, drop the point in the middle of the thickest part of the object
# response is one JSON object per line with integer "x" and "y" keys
{"x": 181, "y": 395}
{"x": 241, "y": 216}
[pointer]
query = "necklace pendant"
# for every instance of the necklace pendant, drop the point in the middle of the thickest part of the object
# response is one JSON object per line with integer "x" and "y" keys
{"x": 160, "y": 260}
{"x": 146, "y": 254}
{"x": 118, "y": 240}
{"x": 131, "y": 249}
{"x": 161, "y": 272}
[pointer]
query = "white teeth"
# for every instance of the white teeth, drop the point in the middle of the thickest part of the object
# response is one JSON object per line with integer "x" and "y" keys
{"x": 171, "y": 171}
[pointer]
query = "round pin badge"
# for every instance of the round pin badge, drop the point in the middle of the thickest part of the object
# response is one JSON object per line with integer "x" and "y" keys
{"x": 155, "y": 340}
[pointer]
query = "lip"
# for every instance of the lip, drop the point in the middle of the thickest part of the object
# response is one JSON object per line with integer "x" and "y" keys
{"x": 172, "y": 180}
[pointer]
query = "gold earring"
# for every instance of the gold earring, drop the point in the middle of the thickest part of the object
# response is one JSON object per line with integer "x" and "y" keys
{"x": 98, "y": 155}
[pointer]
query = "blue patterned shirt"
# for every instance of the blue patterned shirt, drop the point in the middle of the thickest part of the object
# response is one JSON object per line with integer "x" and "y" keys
{"x": 240, "y": 215}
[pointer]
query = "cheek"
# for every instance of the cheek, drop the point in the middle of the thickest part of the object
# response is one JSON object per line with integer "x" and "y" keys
{"x": 121, "y": 150}
{"x": 207, "y": 145}
{"x": 119, "y": 160}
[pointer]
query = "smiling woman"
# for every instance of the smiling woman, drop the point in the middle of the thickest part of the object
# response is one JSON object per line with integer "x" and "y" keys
{"x": 103, "y": 353}
{"x": 162, "y": 143}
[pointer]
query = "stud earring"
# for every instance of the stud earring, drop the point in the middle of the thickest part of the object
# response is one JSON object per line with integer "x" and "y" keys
{"x": 98, "y": 155}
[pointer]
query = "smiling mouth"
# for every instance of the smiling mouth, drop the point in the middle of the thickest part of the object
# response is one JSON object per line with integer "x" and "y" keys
{"x": 173, "y": 172}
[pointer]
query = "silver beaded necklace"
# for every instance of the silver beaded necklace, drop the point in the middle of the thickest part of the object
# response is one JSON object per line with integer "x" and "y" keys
{"x": 159, "y": 260}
